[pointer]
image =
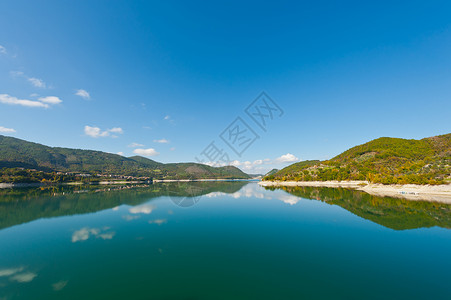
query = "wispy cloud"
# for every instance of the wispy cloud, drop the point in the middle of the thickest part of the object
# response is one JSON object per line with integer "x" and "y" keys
{"x": 7, "y": 99}
{"x": 146, "y": 152}
{"x": 96, "y": 132}
{"x": 162, "y": 141}
{"x": 16, "y": 73}
{"x": 135, "y": 145}
{"x": 169, "y": 119}
{"x": 6, "y": 130}
{"x": 3, "y": 50}
{"x": 83, "y": 93}
{"x": 37, "y": 82}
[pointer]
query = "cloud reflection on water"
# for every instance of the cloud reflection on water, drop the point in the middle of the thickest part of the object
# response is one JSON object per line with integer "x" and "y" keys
{"x": 58, "y": 286}
{"x": 142, "y": 209}
{"x": 158, "y": 221}
{"x": 17, "y": 274}
{"x": 256, "y": 191}
{"x": 85, "y": 233}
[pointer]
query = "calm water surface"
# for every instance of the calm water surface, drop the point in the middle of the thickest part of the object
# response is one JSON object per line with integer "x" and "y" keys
{"x": 223, "y": 240}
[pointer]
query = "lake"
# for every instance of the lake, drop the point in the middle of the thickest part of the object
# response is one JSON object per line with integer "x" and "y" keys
{"x": 220, "y": 240}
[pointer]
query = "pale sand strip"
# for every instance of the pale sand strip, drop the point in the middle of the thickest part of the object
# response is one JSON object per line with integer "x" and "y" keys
{"x": 435, "y": 193}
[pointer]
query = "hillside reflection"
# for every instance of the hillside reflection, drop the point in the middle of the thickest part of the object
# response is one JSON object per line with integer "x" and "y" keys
{"x": 393, "y": 213}
{"x": 18, "y": 206}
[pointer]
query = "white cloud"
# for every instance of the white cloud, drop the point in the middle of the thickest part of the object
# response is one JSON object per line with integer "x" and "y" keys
{"x": 83, "y": 93}
{"x": 86, "y": 232}
{"x": 286, "y": 158}
{"x": 120, "y": 153}
{"x": 135, "y": 145}
{"x": 259, "y": 166}
{"x": 96, "y": 132}
{"x": 2, "y": 50}
{"x": 50, "y": 100}
{"x": 162, "y": 141}
{"x": 116, "y": 130}
{"x": 7, "y": 99}
{"x": 142, "y": 209}
{"x": 168, "y": 117}
{"x": 6, "y": 130}
{"x": 36, "y": 82}
{"x": 248, "y": 166}
{"x": 146, "y": 152}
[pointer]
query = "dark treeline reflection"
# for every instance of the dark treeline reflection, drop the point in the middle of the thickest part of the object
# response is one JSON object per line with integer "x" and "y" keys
{"x": 23, "y": 205}
{"x": 393, "y": 213}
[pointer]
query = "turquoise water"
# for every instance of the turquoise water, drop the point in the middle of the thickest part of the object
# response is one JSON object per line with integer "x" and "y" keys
{"x": 237, "y": 241}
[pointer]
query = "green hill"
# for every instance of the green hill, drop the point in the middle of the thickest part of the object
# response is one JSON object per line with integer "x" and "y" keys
{"x": 272, "y": 172}
{"x": 16, "y": 154}
{"x": 383, "y": 160}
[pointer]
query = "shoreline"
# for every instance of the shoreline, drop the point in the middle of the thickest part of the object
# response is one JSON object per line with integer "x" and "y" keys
{"x": 433, "y": 193}
{"x": 199, "y": 180}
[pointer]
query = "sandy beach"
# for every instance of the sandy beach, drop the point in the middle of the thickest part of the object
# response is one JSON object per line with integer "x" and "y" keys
{"x": 434, "y": 193}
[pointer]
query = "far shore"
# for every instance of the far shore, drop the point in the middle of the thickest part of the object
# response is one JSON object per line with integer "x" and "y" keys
{"x": 39, "y": 184}
{"x": 433, "y": 193}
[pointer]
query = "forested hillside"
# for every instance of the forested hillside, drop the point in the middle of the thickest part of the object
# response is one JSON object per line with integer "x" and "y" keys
{"x": 383, "y": 160}
{"x": 18, "y": 157}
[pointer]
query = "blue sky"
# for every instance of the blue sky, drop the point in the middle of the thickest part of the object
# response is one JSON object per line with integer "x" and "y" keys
{"x": 164, "y": 79}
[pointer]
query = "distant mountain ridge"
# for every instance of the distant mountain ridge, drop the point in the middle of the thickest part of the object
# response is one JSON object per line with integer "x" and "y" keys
{"x": 17, "y": 153}
{"x": 383, "y": 160}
